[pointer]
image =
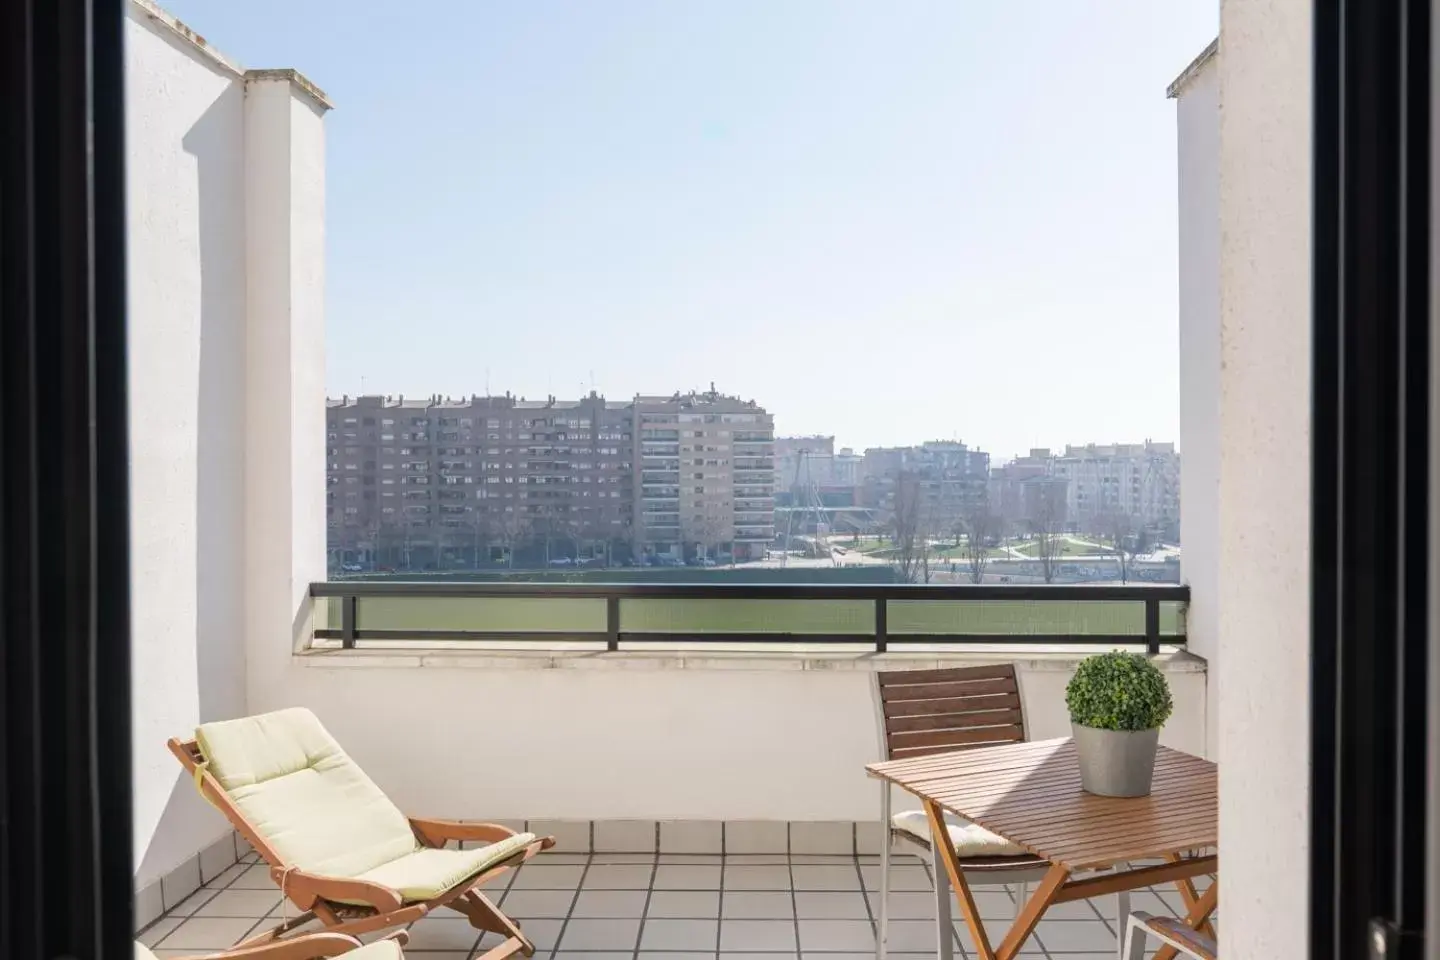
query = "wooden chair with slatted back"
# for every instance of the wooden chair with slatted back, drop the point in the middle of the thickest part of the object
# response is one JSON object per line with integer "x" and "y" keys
{"x": 939, "y": 711}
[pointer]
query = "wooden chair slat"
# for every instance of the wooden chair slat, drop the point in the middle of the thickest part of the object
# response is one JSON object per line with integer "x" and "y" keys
{"x": 936, "y": 691}
{"x": 955, "y": 739}
{"x": 953, "y": 721}
{"x": 999, "y": 671}
{"x": 919, "y": 708}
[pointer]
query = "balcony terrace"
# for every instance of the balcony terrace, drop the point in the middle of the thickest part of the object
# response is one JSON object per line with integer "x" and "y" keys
{"x": 727, "y": 834}
{"x": 698, "y": 754}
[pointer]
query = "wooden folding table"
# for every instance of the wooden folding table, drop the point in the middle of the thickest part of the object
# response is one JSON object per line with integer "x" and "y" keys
{"x": 1029, "y": 793}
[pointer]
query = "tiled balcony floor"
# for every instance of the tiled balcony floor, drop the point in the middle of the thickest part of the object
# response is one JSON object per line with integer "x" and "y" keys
{"x": 679, "y": 907}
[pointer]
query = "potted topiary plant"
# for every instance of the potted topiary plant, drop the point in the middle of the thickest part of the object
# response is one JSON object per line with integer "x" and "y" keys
{"x": 1118, "y": 703}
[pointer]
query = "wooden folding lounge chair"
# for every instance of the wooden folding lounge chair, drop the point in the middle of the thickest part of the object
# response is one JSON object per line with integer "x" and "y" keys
{"x": 924, "y": 712}
{"x": 340, "y": 851}
{"x": 315, "y": 946}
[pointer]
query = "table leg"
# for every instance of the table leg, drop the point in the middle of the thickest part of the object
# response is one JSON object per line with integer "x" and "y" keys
{"x": 1197, "y": 916}
{"x": 1191, "y": 897}
{"x": 1033, "y": 910}
{"x": 1030, "y": 913}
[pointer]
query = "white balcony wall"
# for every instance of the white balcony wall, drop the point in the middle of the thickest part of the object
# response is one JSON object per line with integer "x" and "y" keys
{"x": 1197, "y": 96}
{"x": 637, "y": 736}
{"x": 195, "y": 138}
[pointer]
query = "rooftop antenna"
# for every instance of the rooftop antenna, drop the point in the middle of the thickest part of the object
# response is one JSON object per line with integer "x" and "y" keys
{"x": 487, "y": 381}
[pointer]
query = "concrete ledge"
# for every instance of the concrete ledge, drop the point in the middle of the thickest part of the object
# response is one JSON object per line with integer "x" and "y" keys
{"x": 467, "y": 656}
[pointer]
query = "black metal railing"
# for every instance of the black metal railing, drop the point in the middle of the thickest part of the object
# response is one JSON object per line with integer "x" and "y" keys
{"x": 883, "y": 616}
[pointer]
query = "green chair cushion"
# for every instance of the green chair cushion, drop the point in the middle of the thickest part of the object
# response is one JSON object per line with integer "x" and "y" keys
{"x": 430, "y": 872}
{"x": 304, "y": 794}
{"x": 322, "y": 814}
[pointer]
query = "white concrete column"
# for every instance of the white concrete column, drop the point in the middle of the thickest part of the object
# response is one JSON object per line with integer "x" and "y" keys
{"x": 1264, "y": 502}
{"x": 285, "y": 368}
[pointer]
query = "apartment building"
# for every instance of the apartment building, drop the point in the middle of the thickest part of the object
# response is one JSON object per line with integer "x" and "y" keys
{"x": 705, "y": 477}
{"x": 1026, "y": 492}
{"x": 436, "y": 481}
{"x": 1139, "y": 480}
{"x": 951, "y": 479}
{"x": 442, "y": 482}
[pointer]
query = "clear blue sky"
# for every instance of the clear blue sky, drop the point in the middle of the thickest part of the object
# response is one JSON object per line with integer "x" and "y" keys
{"x": 886, "y": 221}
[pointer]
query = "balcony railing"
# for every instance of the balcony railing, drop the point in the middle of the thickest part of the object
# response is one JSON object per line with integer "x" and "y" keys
{"x": 619, "y": 616}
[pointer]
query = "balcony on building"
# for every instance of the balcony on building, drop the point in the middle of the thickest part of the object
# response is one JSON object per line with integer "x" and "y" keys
{"x": 643, "y": 754}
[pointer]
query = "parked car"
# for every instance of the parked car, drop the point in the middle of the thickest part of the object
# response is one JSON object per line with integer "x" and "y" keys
{"x": 561, "y": 562}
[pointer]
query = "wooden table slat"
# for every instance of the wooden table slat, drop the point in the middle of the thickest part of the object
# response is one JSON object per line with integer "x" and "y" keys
{"x": 1175, "y": 794}
{"x": 1052, "y": 782}
{"x": 1060, "y": 816}
{"x": 1022, "y": 762}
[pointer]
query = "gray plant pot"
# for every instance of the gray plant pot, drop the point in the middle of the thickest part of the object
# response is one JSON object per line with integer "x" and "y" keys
{"x": 1116, "y": 763}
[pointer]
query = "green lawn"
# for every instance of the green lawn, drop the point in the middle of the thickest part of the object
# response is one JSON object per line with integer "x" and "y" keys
{"x": 875, "y": 547}
{"x": 1068, "y": 548}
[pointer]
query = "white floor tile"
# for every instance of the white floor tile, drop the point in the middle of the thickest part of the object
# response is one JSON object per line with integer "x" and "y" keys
{"x": 757, "y": 905}
{"x": 680, "y": 935}
{"x": 839, "y": 935}
{"x": 831, "y": 905}
{"x": 743, "y": 935}
{"x": 684, "y": 904}
{"x": 757, "y": 877}
{"x": 610, "y": 933}
{"x": 680, "y": 876}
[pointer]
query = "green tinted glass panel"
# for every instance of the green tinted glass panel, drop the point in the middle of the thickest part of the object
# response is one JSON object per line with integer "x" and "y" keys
{"x": 1016, "y": 617}
{"x": 747, "y": 616}
{"x": 497, "y": 614}
{"x": 1172, "y": 618}
{"x": 327, "y": 612}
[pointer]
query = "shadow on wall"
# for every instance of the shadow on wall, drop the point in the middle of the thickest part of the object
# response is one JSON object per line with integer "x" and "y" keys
{"x": 217, "y": 144}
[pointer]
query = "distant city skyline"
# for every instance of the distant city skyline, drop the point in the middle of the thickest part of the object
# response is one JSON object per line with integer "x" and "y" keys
{"x": 997, "y": 456}
{"x": 869, "y": 215}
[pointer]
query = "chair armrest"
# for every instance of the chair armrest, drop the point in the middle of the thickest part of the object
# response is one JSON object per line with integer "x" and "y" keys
{"x": 316, "y": 946}
{"x": 304, "y": 889}
{"x": 437, "y": 832}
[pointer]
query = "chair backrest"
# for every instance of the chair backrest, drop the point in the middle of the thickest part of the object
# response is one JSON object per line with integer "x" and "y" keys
{"x": 297, "y": 795}
{"x": 938, "y": 711}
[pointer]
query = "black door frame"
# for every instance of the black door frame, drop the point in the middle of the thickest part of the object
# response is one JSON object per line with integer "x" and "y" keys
{"x": 65, "y": 775}
{"x": 1370, "y": 535}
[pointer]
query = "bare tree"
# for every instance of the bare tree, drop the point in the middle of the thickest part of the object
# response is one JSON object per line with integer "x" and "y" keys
{"x": 1119, "y": 531}
{"x": 909, "y": 530}
{"x": 1047, "y": 540}
{"x": 510, "y": 529}
{"x": 706, "y": 531}
{"x": 981, "y": 527}
{"x": 477, "y": 530}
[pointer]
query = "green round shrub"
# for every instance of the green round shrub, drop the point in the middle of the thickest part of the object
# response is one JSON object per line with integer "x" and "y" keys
{"x": 1118, "y": 691}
